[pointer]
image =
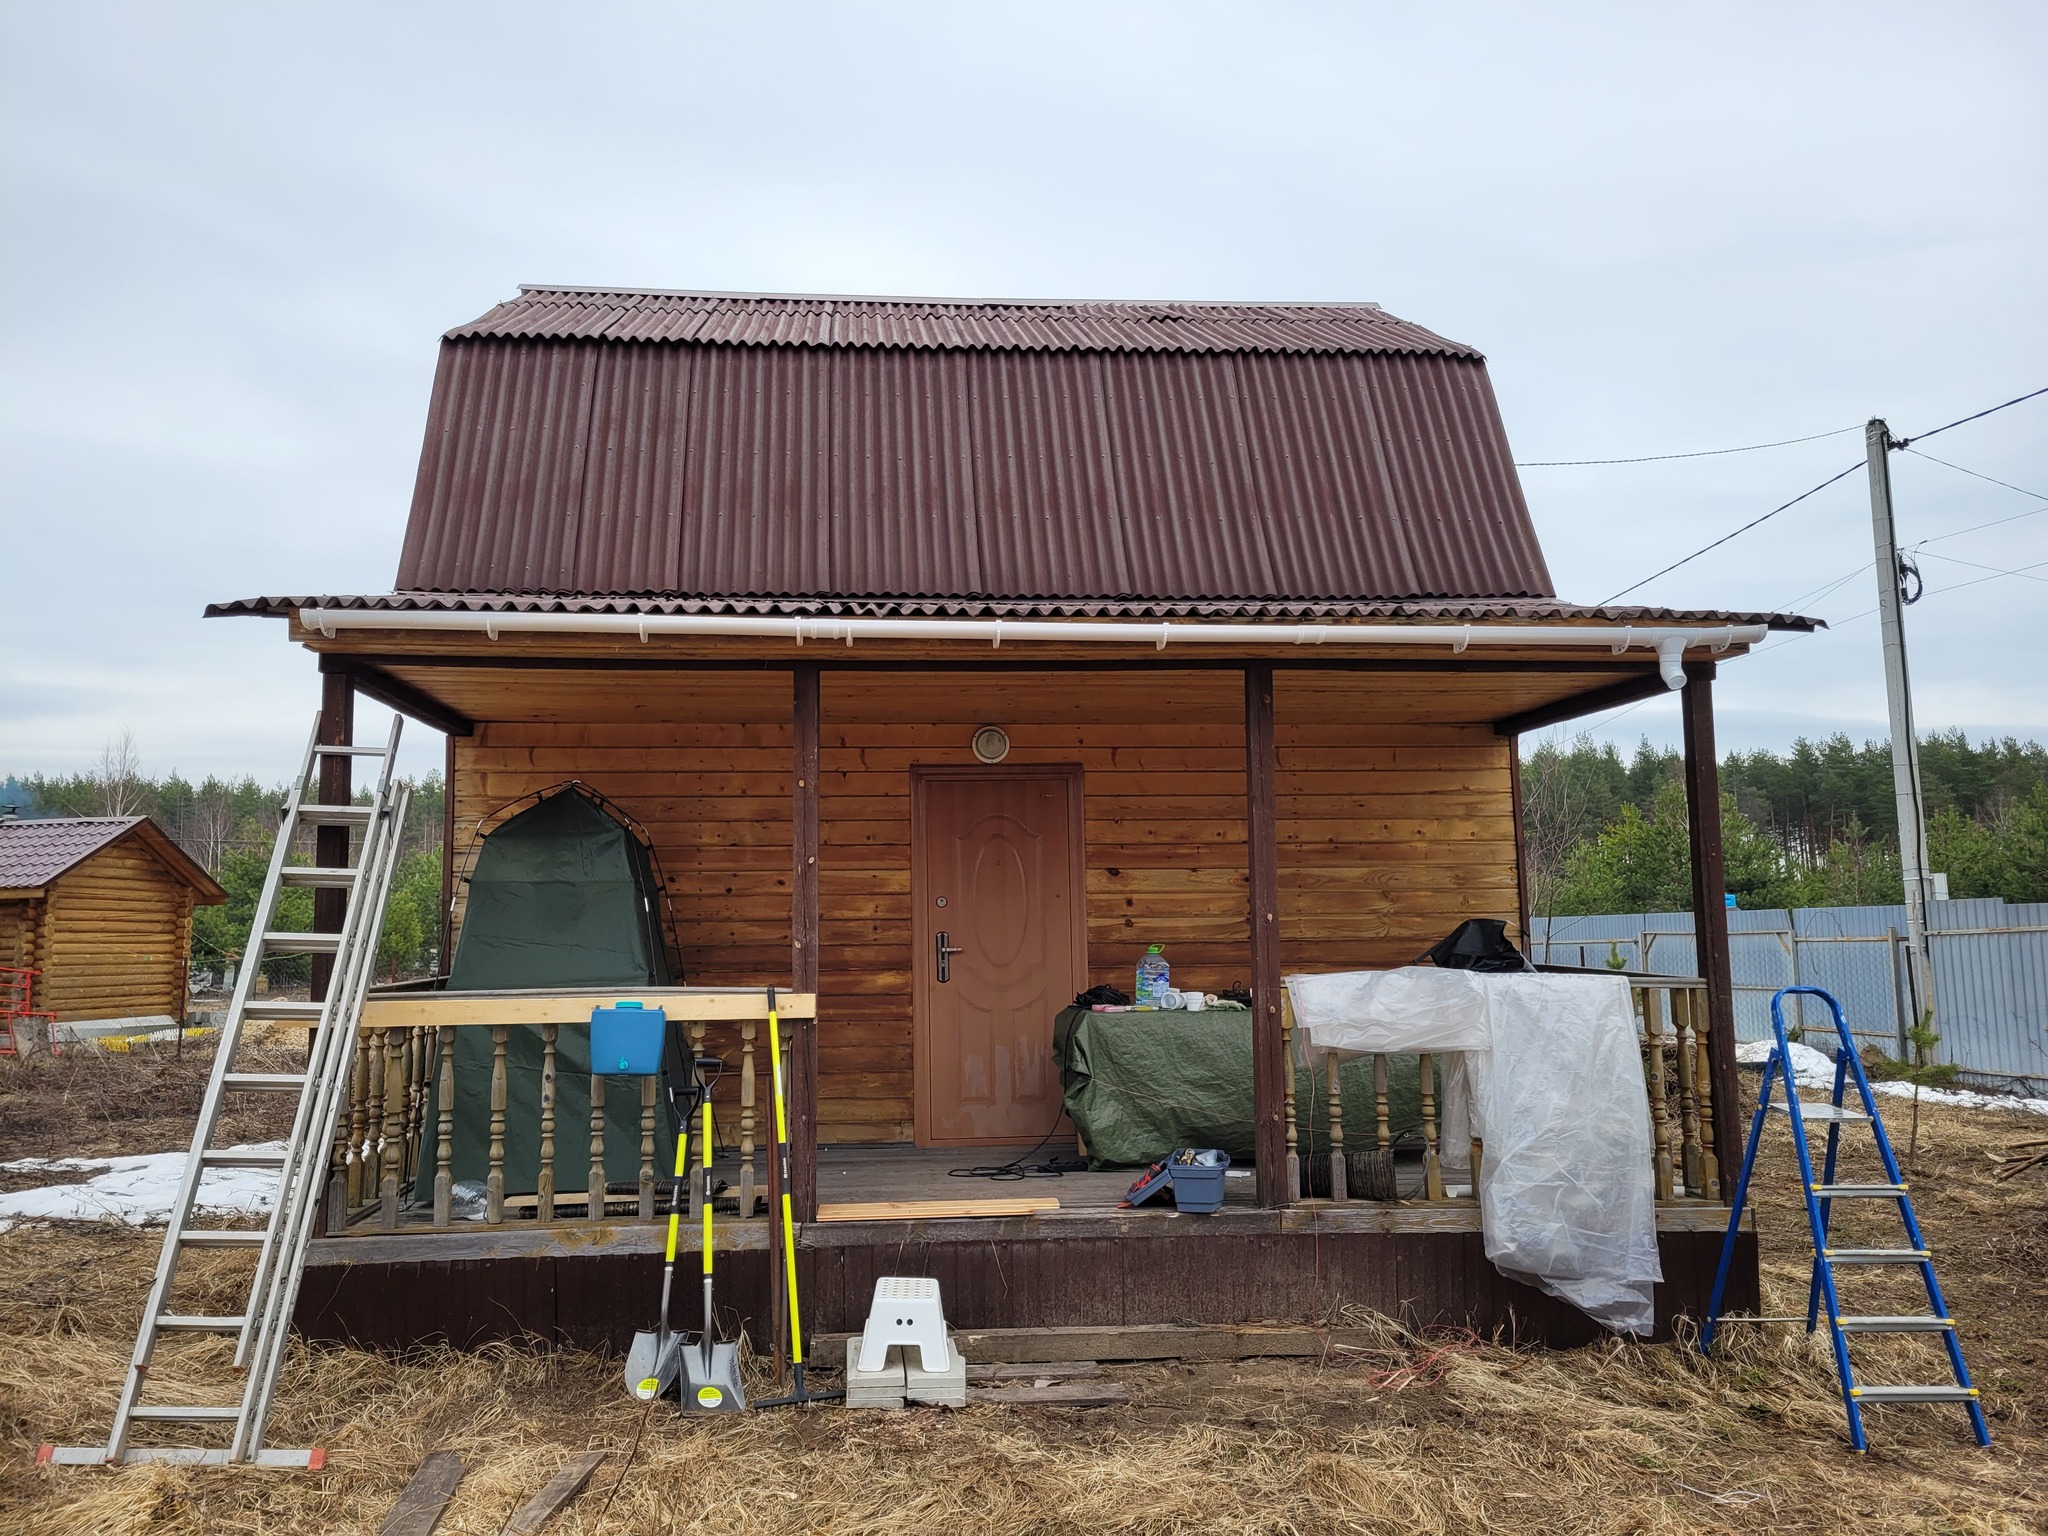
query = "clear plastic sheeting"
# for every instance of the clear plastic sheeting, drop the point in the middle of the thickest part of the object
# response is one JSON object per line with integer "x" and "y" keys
{"x": 1555, "y": 1090}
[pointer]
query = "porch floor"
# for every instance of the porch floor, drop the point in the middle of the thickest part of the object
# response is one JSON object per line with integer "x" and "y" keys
{"x": 866, "y": 1174}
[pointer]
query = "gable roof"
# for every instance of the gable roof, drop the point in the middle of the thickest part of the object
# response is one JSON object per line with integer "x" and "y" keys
{"x": 964, "y": 455}
{"x": 34, "y": 853}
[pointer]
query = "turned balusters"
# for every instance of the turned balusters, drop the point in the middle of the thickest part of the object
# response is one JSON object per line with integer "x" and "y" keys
{"x": 748, "y": 1030}
{"x": 544, "y": 1179}
{"x": 1339, "y": 1184}
{"x": 391, "y": 1138}
{"x": 647, "y": 1124}
{"x": 1432, "y": 1166}
{"x": 1688, "y": 1095}
{"x": 494, "y": 1179}
{"x": 1287, "y": 1092}
{"x": 595, "y": 1209}
{"x": 444, "y": 1139}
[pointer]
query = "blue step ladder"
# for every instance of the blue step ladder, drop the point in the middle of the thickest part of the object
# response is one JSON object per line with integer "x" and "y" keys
{"x": 1821, "y": 1194}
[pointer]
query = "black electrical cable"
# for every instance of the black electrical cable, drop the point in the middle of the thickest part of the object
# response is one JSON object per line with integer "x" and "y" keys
{"x": 1904, "y": 442}
{"x": 1753, "y": 522}
{"x": 1658, "y": 458}
{"x": 1021, "y": 1166}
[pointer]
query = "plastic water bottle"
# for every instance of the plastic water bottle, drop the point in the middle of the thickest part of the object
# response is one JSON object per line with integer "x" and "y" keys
{"x": 1152, "y": 978}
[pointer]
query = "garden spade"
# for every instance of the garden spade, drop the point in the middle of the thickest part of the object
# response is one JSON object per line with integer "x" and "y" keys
{"x": 711, "y": 1370}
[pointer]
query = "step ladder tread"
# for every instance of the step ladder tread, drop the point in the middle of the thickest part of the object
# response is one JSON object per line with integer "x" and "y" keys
{"x": 1877, "y": 1255}
{"x": 175, "y": 1322}
{"x": 280, "y": 1008}
{"x": 264, "y": 1082}
{"x": 325, "y": 751}
{"x": 318, "y": 875}
{"x": 287, "y": 939}
{"x": 222, "y": 1237}
{"x": 335, "y": 815}
{"x": 1857, "y": 1191}
{"x": 242, "y": 1157}
{"x": 1907, "y": 1394}
{"x": 1825, "y": 1114}
{"x": 1911, "y": 1323}
{"x": 186, "y": 1413}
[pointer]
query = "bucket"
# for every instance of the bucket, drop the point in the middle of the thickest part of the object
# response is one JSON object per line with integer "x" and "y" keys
{"x": 1198, "y": 1188}
{"x": 625, "y": 1040}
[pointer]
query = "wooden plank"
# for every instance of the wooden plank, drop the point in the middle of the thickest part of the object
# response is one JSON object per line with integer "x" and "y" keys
{"x": 1099, "y": 1394}
{"x": 330, "y": 844}
{"x": 805, "y": 924}
{"x": 559, "y": 1490}
{"x": 935, "y": 1210}
{"x": 1710, "y": 908}
{"x": 458, "y": 1009}
{"x": 420, "y": 1506}
{"x": 1068, "y": 1371}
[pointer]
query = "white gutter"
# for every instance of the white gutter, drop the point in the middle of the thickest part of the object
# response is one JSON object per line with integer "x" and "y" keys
{"x": 1669, "y": 641}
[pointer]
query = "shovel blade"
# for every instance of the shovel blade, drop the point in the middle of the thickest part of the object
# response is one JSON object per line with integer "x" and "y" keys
{"x": 652, "y": 1365}
{"x": 712, "y": 1386}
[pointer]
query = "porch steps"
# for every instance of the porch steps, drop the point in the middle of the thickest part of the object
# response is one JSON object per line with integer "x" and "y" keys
{"x": 262, "y": 1325}
{"x": 1819, "y": 1195}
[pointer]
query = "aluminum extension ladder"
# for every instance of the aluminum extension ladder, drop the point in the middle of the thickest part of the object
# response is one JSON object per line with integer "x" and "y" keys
{"x": 263, "y": 1327}
{"x": 1821, "y": 1195}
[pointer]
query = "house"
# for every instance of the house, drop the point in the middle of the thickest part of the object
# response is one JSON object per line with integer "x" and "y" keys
{"x": 101, "y": 907}
{"x": 951, "y": 653}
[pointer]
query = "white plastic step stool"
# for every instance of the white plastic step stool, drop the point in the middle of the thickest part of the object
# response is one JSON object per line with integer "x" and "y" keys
{"x": 905, "y": 1311}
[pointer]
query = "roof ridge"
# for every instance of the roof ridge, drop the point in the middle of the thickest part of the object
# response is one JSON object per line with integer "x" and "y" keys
{"x": 628, "y": 290}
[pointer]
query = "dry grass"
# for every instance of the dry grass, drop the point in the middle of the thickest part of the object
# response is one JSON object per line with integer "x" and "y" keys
{"x": 1618, "y": 1438}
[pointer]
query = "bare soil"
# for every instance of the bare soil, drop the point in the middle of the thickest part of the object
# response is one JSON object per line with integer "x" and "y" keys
{"x": 1438, "y": 1434}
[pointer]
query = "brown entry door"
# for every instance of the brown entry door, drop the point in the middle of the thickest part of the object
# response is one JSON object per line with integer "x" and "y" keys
{"x": 1001, "y": 947}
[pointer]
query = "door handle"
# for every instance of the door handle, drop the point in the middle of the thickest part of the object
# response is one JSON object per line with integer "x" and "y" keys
{"x": 946, "y": 952}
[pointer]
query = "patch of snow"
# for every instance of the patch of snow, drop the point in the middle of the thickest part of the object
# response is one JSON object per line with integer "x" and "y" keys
{"x": 136, "y": 1190}
{"x": 1816, "y": 1069}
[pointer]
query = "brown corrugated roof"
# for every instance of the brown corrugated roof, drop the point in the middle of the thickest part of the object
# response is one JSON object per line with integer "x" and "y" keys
{"x": 1029, "y": 325}
{"x": 949, "y": 451}
{"x": 33, "y": 853}
{"x": 1476, "y": 611}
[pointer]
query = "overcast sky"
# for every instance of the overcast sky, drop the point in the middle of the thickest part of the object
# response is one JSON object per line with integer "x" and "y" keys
{"x": 233, "y": 234}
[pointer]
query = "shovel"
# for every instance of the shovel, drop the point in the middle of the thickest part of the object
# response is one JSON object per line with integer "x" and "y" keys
{"x": 711, "y": 1370}
{"x": 656, "y": 1359}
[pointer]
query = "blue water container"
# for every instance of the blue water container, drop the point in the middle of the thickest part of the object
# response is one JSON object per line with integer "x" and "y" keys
{"x": 625, "y": 1039}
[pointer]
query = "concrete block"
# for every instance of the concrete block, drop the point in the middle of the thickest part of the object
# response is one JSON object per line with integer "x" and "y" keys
{"x": 882, "y": 1388}
{"x": 942, "y": 1389}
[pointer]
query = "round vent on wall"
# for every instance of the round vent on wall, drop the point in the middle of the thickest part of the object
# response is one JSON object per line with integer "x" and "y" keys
{"x": 991, "y": 744}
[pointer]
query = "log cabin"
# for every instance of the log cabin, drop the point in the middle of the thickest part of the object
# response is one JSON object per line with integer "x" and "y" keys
{"x": 101, "y": 908}
{"x": 949, "y": 654}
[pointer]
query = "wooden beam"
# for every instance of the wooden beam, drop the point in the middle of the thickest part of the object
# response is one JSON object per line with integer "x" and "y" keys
{"x": 440, "y": 1010}
{"x": 1644, "y": 684}
{"x": 447, "y": 959}
{"x": 560, "y": 1489}
{"x": 804, "y": 908}
{"x": 419, "y": 1507}
{"x": 1710, "y": 910}
{"x": 1262, "y": 837}
{"x": 1521, "y": 842}
{"x": 395, "y": 693}
{"x": 330, "y": 844}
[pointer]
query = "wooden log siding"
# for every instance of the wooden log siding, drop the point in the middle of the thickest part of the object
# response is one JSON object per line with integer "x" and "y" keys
{"x": 115, "y": 938}
{"x": 1389, "y": 834}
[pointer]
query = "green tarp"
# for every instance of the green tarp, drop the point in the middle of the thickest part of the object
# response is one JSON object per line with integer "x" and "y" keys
{"x": 563, "y": 895}
{"x": 1140, "y": 1084}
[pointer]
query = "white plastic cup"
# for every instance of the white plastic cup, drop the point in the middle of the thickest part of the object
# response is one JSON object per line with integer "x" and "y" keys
{"x": 1194, "y": 1002}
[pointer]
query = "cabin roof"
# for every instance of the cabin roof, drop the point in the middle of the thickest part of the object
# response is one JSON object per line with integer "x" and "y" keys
{"x": 34, "y": 853}
{"x": 942, "y": 455}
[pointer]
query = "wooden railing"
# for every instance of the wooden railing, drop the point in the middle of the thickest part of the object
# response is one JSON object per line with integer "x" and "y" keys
{"x": 1672, "y": 1034}
{"x": 405, "y": 1072}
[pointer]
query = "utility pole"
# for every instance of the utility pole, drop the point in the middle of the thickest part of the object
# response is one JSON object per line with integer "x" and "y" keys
{"x": 1912, "y": 805}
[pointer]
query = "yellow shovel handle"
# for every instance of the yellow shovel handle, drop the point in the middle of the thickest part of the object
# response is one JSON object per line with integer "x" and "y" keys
{"x": 707, "y": 1184}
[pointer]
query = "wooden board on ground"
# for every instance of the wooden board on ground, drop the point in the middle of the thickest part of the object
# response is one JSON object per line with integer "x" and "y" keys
{"x": 932, "y": 1210}
{"x": 1155, "y": 1341}
{"x": 1077, "y": 1394}
{"x": 419, "y": 1507}
{"x": 1042, "y": 1371}
{"x": 561, "y": 1488}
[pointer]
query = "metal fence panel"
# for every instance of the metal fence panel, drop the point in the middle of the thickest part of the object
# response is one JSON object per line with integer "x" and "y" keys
{"x": 1990, "y": 972}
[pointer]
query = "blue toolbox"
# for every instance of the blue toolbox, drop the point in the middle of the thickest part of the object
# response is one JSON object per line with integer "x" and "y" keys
{"x": 1192, "y": 1175}
{"x": 625, "y": 1039}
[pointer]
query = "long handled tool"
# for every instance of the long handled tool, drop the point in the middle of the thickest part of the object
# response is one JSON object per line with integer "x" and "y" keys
{"x": 655, "y": 1360}
{"x": 802, "y": 1394}
{"x": 711, "y": 1372}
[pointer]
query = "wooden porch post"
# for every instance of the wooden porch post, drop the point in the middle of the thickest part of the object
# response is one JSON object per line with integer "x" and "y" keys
{"x": 1262, "y": 839}
{"x": 1521, "y": 848}
{"x": 330, "y": 844}
{"x": 1710, "y": 910}
{"x": 447, "y": 959}
{"x": 803, "y": 933}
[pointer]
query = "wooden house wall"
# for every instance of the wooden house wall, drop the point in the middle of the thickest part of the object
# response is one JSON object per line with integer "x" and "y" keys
{"x": 20, "y": 929}
{"x": 117, "y": 938}
{"x": 1390, "y": 833}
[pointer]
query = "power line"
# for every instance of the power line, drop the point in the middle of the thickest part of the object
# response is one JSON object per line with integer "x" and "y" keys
{"x": 1658, "y": 458}
{"x": 1753, "y": 522}
{"x": 1976, "y": 416}
{"x": 1977, "y": 474}
{"x": 1980, "y": 566}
